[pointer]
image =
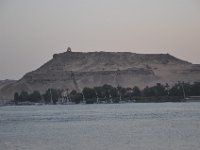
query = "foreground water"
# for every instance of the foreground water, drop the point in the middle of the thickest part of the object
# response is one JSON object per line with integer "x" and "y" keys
{"x": 164, "y": 126}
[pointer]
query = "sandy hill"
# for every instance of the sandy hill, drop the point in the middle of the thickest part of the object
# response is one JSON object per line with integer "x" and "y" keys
{"x": 76, "y": 70}
{"x": 6, "y": 82}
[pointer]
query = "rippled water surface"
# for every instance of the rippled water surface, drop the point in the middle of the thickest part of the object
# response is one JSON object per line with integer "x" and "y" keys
{"x": 164, "y": 126}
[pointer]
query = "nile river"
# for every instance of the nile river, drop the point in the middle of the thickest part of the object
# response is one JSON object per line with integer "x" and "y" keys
{"x": 150, "y": 126}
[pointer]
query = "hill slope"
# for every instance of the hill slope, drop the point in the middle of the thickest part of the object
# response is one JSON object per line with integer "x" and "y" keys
{"x": 76, "y": 70}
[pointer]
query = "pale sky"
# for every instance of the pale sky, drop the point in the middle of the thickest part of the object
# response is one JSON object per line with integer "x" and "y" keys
{"x": 31, "y": 31}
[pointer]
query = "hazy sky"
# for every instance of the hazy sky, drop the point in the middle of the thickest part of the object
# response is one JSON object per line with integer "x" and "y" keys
{"x": 31, "y": 31}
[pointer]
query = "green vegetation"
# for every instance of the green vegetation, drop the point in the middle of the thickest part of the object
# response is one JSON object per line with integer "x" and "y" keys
{"x": 109, "y": 94}
{"x": 76, "y": 97}
{"x": 51, "y": 96}
{"x": 34, "y": 97}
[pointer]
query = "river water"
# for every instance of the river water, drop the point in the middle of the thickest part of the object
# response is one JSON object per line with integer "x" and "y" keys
{"x": 150, "y": 126}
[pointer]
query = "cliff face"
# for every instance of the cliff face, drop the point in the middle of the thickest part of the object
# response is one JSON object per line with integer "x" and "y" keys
{"x": 76, "y": 70}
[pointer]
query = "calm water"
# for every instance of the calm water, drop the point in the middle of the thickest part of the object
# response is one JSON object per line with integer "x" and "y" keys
{"x": 165, "y": 126}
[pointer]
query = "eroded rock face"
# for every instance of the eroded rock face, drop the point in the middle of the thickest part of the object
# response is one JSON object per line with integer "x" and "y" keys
{"x": 76, "y": 70}
{"x": 4, "y": 83}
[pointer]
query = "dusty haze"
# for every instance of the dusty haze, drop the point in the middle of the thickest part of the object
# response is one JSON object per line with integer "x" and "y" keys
{"x": 32, "y": 30}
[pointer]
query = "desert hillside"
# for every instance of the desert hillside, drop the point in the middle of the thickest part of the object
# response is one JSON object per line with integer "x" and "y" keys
{"x": 4, "y": 83}
{"x": 76, "y": 70}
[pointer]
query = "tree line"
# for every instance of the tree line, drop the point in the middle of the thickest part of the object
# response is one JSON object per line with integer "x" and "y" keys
{"x": 109, "y": 94}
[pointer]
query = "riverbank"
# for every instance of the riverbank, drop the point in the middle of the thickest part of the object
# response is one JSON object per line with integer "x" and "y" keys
{"x": 162, "y": 99}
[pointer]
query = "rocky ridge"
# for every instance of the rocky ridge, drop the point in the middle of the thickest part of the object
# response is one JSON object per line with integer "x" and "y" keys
{"x": 76, "y": 70}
